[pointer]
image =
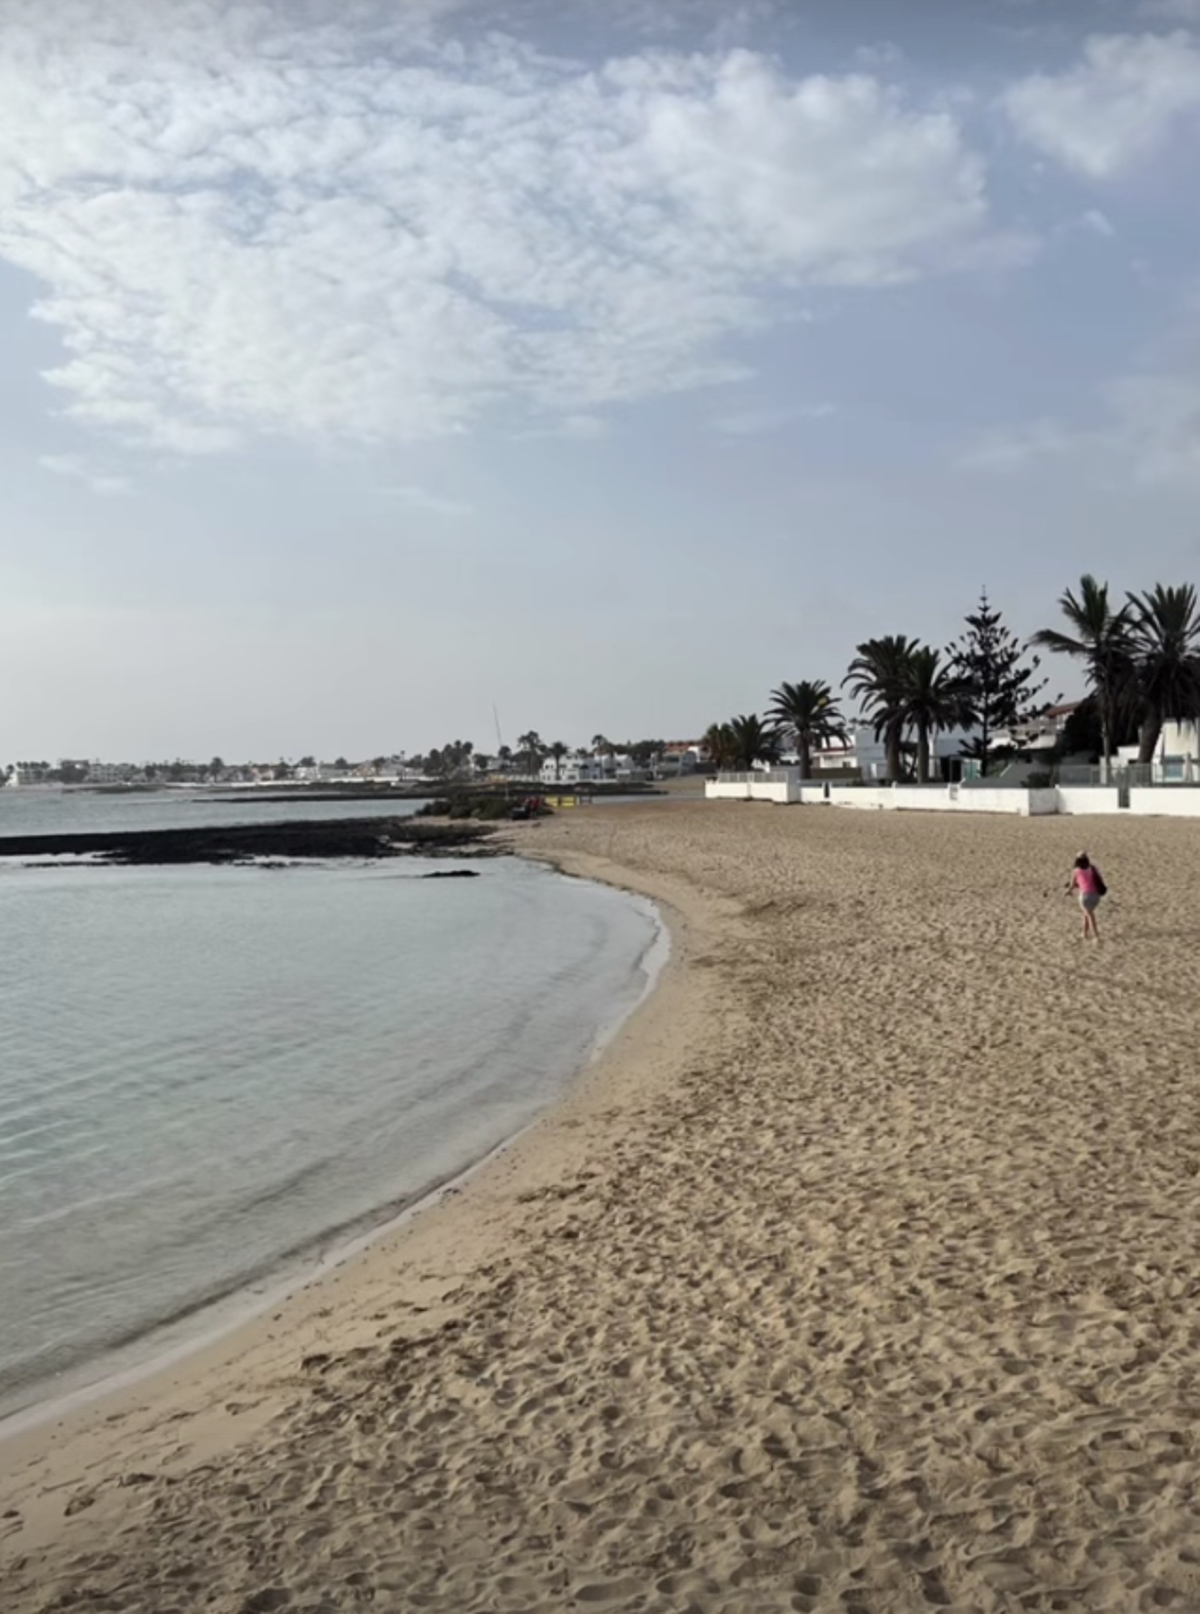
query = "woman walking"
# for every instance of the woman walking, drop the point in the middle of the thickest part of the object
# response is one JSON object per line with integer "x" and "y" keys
{"x": 1089, "y": 882}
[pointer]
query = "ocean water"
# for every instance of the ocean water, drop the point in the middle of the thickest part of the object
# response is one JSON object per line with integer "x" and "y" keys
{"x": 66, "y": 812}
{"x": 207, "y": 1074}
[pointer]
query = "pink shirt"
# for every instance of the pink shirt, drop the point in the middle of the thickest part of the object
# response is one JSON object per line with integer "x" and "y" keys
{"x": 1087, "y": 881}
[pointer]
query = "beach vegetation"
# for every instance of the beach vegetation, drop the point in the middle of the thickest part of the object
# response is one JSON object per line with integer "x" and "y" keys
{"x": 753, "y": 741}
{"x": 1100, "y": 637}
{"x": 1164, "y": 640}
{"x": 531, "y": 749}
{"x": 735, "y": 746}
{"x": 719, "y": 745}
{"x": 933, "y": 698}
{"x": 998, "y": 680}
{"x": 808, "y": 715}
{"x": 879, "y": 679}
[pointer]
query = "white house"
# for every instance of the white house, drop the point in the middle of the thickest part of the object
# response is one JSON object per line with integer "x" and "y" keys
{"x": 1177, "y": 759}
{"x": 861, "y": 752}
{"x": 577, "y": 768}
{"x": 1043, "y": 732}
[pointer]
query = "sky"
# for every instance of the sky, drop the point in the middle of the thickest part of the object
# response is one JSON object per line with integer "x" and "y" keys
{"x": 370, "y": 367}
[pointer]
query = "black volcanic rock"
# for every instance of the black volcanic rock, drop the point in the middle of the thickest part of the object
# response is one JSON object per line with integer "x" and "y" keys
{"x": 364, "y": 838}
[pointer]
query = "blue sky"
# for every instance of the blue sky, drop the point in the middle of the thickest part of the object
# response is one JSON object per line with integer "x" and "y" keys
{"x": 369, "y": 364}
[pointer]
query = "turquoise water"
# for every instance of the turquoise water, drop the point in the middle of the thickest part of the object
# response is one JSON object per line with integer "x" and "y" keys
{"x": 207, "y": 1072}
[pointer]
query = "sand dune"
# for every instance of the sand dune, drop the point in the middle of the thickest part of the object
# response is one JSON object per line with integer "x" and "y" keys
{"x": 860, "y": 1276}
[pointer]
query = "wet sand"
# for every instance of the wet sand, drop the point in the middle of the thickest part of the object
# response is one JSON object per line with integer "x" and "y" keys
{"x": 860, "y": 1275}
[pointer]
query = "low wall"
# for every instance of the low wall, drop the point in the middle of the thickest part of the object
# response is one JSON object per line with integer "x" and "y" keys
{"x": 887, "y": 798}
{"x": 1178, "y": 801}
{"x": 760, "y": 787}
{"x": 1168, "y": 801}
{"x": 1079, "y": 800}
{"x": 1022, "y": 802}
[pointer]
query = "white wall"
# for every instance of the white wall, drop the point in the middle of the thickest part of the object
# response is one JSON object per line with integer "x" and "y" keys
{"x": 1083, "y": 799}
{"x": 1174, "y": 800}
{"x": 923, "y": 798}
{"x": 1180, "y": 740}
{"x": 777, "y": 790}
{"x": 1168, "y": 801}
{"x": 928, "y": 798}
{"x": 727, "y": 790}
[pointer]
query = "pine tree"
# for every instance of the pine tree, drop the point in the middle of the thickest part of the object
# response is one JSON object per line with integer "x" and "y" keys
{"x": 997, "y": 682}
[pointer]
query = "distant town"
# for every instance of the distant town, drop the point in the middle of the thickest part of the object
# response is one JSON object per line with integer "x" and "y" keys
{"x": 531, "y": 760}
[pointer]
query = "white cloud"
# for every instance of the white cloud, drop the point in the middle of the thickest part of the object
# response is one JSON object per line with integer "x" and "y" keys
{"x": 422, "y": 499}
{"x": 1148, "y": 432}
{"x": 1007, "y": 448}
{"x": 753, "y": 422}
{"x": 77, "y": 468}
{"x": 1098, "y": 223}
{"x": 259, "y": 218}
{"x": 1114, "y": 107}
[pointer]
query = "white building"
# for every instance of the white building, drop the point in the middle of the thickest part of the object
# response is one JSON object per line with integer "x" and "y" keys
{"x": 113, "y": 773}
{"x": 576, "y": 768}
{"x": 1177, "y": 758}
{"x": 863, "y": 754}
{"x": 1043, "y": 732}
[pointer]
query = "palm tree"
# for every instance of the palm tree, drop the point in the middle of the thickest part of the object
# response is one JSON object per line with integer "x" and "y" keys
{"x": 878, "y": 679}
{"x": 1100, "y": 638}
{"x": 752, "y": 741}
{"x": 718, "y": 742}
{"x": 531, "y": 750}
{"x": 558, "y": 751}
{"x": 933, "y": 699}
{"x": 809, "y": 713}
{"x": 601, "y": 746}
{"x": 1164, "y": 640}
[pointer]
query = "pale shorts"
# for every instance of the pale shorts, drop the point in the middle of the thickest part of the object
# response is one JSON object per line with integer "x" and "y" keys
{"x": 1089, "y": 901}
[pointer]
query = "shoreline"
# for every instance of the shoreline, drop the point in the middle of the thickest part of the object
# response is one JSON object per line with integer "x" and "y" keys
{"x": 60, "y": 1435}
{"x": 168, "y": 1345}
{"x": 858, "y": 1274}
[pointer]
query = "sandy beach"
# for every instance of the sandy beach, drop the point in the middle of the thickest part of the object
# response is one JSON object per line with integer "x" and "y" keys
{"x": 859, "y": 1276}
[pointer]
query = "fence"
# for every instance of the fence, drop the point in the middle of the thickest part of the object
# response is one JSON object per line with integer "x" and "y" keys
{"x": 1172, "y": 771}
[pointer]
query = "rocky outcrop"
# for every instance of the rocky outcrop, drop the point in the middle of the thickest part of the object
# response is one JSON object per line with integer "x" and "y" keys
{"x": 333, "y": 838}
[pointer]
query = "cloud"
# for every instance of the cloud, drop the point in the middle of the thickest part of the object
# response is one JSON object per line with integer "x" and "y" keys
{"x": 377, "y": 224}
{"x": 79, "y": 469}
{"x": 1148, "y": 432}
{"x": 753, "y": 422}
{"x": 1114, "y": 107}
{"x": 1008, "y": 448}
{"x": 1098, "y": 223}
{"x": 422, "y": 499}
